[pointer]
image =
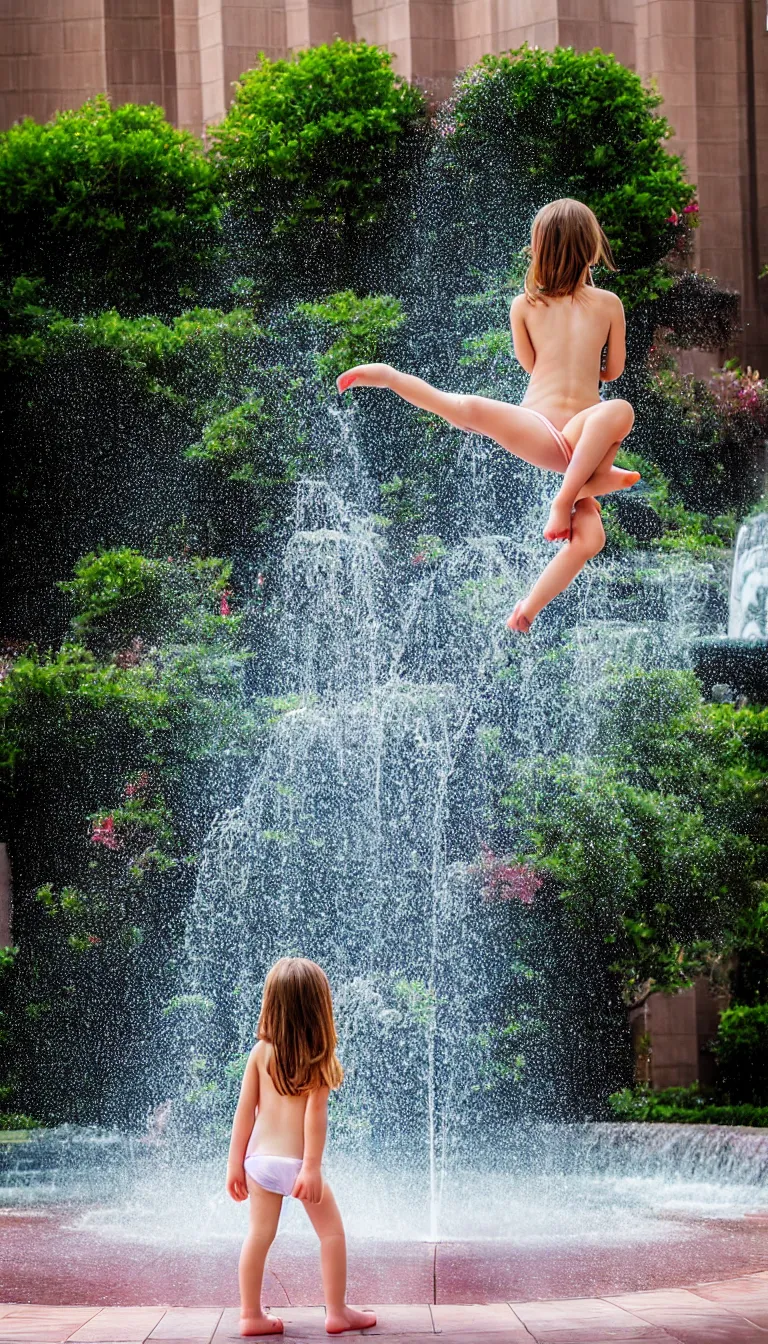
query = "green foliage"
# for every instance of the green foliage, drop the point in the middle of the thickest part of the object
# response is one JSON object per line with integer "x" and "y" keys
{"x": 15, "y": 1120}
{"x": 315, "y": 139}
{"x": 261, "y": 440}
{"x": 105, "y": 201}
{"x": 681, "y": 1106}
{"x": 659, "y": 844}
{"x": 360, "y": 326}
{"x": 583, "y": 125}
{"x": 124, "y": 600}
{"x": 709, "y": 436}
{"x": 683, "y": 529}
{"x": 62, "y": 693}
{"x": 742, "y": 1053}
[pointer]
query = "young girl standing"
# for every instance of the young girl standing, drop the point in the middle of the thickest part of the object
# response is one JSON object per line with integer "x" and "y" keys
{"x": 278, "y": 1137}
{"x": 569, "y": 336}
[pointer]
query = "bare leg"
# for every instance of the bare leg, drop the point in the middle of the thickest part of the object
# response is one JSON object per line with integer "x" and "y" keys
{"x": 601, "y": 428}
{"x": 587, "y": 539}
{"x": 326, "y": 1220}
{"x": 608, "y": 479}
{"x": 264, "y": 1217}
{"x": 513, "y": 427}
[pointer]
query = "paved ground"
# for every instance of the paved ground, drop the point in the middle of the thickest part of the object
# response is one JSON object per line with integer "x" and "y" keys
{"x": 53, "y": 1256}
{"x": 733, "y": 1311}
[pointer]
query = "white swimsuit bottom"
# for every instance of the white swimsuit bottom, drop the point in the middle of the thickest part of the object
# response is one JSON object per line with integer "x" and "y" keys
{"x": 277, "y": 1174}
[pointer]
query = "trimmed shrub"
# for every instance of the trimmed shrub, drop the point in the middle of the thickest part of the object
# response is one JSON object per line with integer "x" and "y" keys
{"x": 681, "y": 1106}
{"x": 583, "y": 125}
{"x": 315, "y": 138}
{"x": 110, "y": 205}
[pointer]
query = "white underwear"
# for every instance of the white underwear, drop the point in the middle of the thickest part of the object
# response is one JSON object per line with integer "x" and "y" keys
{"x": 277, "y": 1174}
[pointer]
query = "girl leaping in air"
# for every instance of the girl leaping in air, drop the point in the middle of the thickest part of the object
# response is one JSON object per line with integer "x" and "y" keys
{"x": 569, "y": 336}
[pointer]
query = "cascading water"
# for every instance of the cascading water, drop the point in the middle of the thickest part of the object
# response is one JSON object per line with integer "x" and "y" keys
{"x": 357, "y": 840}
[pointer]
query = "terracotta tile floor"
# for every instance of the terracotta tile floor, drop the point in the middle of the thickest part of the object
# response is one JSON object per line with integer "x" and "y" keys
{"x": 734, "y": 1311}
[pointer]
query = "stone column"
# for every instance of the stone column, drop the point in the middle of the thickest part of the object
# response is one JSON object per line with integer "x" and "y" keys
{"x": 308, "y": 23}
{"x": 140, "y": 43}
{"x": 51, "y": 56}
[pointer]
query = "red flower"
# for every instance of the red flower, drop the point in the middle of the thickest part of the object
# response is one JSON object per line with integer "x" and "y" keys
{"x": 261, "y": 580}
{"x": 418, "y": 558}
{"x": 224, "y": 606}
{"x": 507, "y": 882}
{"x": 93, "y": 940}
{"x": 673, "y": 218}
{"x": 103, "y": 833}
{"x": 139, "y": 785}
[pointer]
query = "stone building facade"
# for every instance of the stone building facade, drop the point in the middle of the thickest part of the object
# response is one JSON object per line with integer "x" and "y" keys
{"x": 708, "y": 57}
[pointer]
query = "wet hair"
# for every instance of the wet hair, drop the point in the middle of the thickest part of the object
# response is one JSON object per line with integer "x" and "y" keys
{"x": 297, "y": 1021}
{"x": 566, "y": 239}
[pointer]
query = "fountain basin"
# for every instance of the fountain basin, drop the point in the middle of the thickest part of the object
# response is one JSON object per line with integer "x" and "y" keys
{"x": 565, "y": 1211}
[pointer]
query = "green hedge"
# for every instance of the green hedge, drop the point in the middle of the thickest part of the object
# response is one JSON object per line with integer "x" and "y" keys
{"x": 583, "y": 125}
{"x": 314, "y": 139}
{"x": 682, "y": 1106}
{"x": 109, "y": 205}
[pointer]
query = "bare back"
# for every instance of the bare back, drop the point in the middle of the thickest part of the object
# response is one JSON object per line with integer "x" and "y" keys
{"x": 560, "y": 343}
{"x": 279, "y": 1124}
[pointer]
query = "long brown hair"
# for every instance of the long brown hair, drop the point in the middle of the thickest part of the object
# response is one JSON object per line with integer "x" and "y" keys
{"x": 566, "y": 239}
{"x": 297, "y": 1021}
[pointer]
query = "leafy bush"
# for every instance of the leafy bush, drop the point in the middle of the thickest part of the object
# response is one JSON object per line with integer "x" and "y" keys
{"x": 681, "y": 1106}
{"x": 742, "y": 1052}
{"x": 361, "y": 326}
{"x": 315, "y": 138}
{"x": 680, "y": 528}
{"x": 708, "y": 435}
{"x": 659, "y": 843}
{"x": 583, "y": 125}
{"x": 107, "y": 203}
{"x": 122, "y": 596}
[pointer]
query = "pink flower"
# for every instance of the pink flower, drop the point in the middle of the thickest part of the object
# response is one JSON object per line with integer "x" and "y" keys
{"x": 507, "y": 882}
{"x": 224, "y": 606}
{"x": 673, "y": 218}
{"x": 103, "y": 833}
{"x": 93, "y": 940}
{"x": 138, "y": 785}
{"x": 261, "y": 580}
{"x": 418, "y": 558}
{"x": 691, "y": 209}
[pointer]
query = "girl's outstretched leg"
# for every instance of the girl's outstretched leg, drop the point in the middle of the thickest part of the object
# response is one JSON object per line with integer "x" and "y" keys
{"x": 587, "y": 540}
{"x": 601, "y": 428}
{"x": 450, "y": 405}
{"x": 264, "y": 1209}
{"x": 326, "y": 1220}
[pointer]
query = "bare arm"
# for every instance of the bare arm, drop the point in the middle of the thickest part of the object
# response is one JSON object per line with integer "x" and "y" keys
{"x": 616, "y": 355}
{"x": 309, "y": 1182}
{"x": 241, "y": 1129}
{"x": 521, "y": 341}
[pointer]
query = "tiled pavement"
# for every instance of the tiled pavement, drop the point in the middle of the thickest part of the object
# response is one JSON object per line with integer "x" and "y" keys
{"x": 734, "y": 1311}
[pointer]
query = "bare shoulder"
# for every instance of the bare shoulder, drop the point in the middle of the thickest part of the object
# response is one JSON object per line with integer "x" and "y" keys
{"x": 518, "y": 305}
{"x": 611, "y": 302}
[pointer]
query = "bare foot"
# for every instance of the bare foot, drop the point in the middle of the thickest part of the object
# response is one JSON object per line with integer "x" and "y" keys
{"x": 518, "y": 621}
{"x": 558, "y": 526}
{"x": 261, "y": 1325}
{"x": 364, "y": 375}
{"x": 608, "y": 482}
{"x": 349, "y": 1318}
